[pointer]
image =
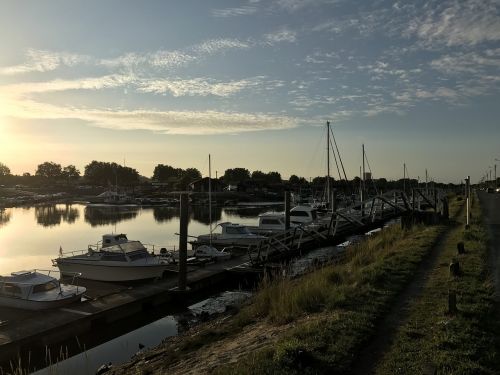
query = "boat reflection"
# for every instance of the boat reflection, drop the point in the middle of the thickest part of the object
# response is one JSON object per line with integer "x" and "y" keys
{"x": 52, "y": 215}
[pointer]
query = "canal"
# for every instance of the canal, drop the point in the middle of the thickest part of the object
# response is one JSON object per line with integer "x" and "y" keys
{"x": 31, "y": 236}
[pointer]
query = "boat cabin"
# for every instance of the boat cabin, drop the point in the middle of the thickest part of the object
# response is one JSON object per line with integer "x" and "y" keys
{"x": 22, "y": 284}
{"x": 272, "y": 221}
{"x": 113, "y": 239}
{"x": 303, "y": 215}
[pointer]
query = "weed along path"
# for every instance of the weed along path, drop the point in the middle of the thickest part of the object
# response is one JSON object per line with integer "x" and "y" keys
{"x": 452, "y": 326}
{"x": 371, "y": 354}
{"x": 368, "y": 358}
{"x": 490, "y": 204}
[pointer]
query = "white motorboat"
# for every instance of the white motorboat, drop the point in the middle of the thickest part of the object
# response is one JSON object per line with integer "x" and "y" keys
{"x": 210, "y": 252}
{"x": 231, "y": 235}
{"x": 118, "y": 259}
{"x": 34, "y": 290}
{"x": 303, "y": 215}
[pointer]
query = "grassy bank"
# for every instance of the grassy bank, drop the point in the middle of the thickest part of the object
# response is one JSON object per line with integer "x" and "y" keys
{"x": 313, "y": 324}
{"x": 435, "y": 340}
{"x": 335, "y": 309}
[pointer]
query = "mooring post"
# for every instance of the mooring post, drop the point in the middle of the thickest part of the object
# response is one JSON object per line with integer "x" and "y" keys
{"x": 452, "y": 302}
{"x": 467, "y": 202}
{"x": 183, "y": 243}
{"x": 287, "y": 210}
{"x": 334, "y": 200}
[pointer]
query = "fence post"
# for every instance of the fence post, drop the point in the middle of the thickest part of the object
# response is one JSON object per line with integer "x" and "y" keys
{"x": 183, "y": 243}
{"x": 287, "y": 210}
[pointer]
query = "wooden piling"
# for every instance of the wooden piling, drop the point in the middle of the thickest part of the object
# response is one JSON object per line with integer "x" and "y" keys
{"x": 454, "y": 268}
{"x": 452, "y": 302}
{"x": 287, "y": 210}
{"x": 183, "y": 242}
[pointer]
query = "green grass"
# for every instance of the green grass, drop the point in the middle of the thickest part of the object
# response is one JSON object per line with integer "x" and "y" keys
{"x": 464, "y": 343}
{"x": 334, "y": 310}
{"x": 324, "y": 318}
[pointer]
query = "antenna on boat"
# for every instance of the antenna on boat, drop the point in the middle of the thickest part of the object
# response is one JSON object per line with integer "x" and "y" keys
{"x": 328, "y": 164}
{"x": 210, "y": 197}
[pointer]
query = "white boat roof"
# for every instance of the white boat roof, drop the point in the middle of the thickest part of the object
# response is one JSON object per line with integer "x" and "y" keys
{"x": 303, "y": 208}
{"x": 273, "y": 214}
{"x": 228, "y": 224}
{"x": 27, "y": 277}
{"x": 124, "y": 248}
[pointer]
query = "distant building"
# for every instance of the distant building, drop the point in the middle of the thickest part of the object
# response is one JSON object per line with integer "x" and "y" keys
{"x": 201, "y": 185}
{"x": 368, "y": 176}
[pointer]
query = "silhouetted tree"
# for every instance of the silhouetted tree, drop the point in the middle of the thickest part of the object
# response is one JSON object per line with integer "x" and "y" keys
{"x": 164, "y": 173}
{"x": 49, "y": 170}
{"x": 102, "y": 173}
{"x": 70, "y": 173}
{"x": 236, "y": 175}
{"x": 4, "y": 170}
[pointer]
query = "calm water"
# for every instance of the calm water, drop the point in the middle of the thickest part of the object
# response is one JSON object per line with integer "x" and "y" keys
{"x": 30, "y": 237}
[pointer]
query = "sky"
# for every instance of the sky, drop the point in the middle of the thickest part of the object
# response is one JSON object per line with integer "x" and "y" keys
{"x": 252, "y": 83}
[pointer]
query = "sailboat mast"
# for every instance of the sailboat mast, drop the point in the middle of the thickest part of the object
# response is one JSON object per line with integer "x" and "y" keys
{"x": 210, "y": 196}
{"x": 404, "y": 177}
{"x": 363, "y": 178}
{"x": 328, "y": 163}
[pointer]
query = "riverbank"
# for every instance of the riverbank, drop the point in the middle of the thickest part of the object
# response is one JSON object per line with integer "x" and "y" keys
{"x": 318, "y": 323}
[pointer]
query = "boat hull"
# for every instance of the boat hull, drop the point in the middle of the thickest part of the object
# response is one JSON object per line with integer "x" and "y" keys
{"x": 26, "y": 304}
{"x": 113, "y": 272}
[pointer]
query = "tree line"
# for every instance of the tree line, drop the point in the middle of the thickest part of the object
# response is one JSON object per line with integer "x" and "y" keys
{"x": 112, "y": 174}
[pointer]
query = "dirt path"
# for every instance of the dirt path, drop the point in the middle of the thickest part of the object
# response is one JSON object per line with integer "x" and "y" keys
{"x": 367, "y": 360}
{"x": 490, "y": 203}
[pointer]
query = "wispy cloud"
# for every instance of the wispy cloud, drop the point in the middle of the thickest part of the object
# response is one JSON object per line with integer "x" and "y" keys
{"x": 455, "y": 23}
{"x": 232, "y": 12}
{"x": 295, "y": 5}
{"x": 197, "y": 86}
{"x": 45, "y": 61}
{"x": 167, "y": 122}
{"x": 467, "y": 62}
{"x": 282, "y": 35}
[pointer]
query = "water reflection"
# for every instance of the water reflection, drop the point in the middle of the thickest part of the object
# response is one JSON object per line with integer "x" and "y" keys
{"x": 201, "y": 214}
{"x": 4, "y": 216}
{"x": 52, "y": 215}
{"x": 165, "y": 214}
{"x": 247, "y": 212}
{"x": 109, "y": 215}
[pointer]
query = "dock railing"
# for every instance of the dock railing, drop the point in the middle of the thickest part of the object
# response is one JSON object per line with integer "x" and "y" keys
{"x": 358, "y": 218}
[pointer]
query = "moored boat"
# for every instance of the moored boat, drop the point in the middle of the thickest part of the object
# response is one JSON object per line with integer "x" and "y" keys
{"x": 231, "y": 235}
{"x": 34, "y": 290}
{"x": 117, "y": 259}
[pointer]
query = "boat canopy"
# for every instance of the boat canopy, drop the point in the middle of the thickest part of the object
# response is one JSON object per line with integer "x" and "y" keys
{"x": 125, "y": 248}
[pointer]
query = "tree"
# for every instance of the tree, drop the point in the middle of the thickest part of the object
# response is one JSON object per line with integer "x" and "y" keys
{"x": 4, "y": 170}
{"x": 163, "y": 173}
{"x": 49, "y": 170}
{"x": 273, "y": 178}
{"x": 70, "y": 173}
{"x": 258, "y": 176}
{"x": 191, "y": 174}
{"x": 236, "y": 175}
{"x": 102, "y": 173}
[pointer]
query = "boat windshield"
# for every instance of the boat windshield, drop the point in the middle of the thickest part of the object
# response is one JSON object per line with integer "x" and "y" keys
{"x": 127, "y": 247}
{"x": 10, "y": 289}
{"x": 237, "y": 230}
{"x": 45, "y": 287}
